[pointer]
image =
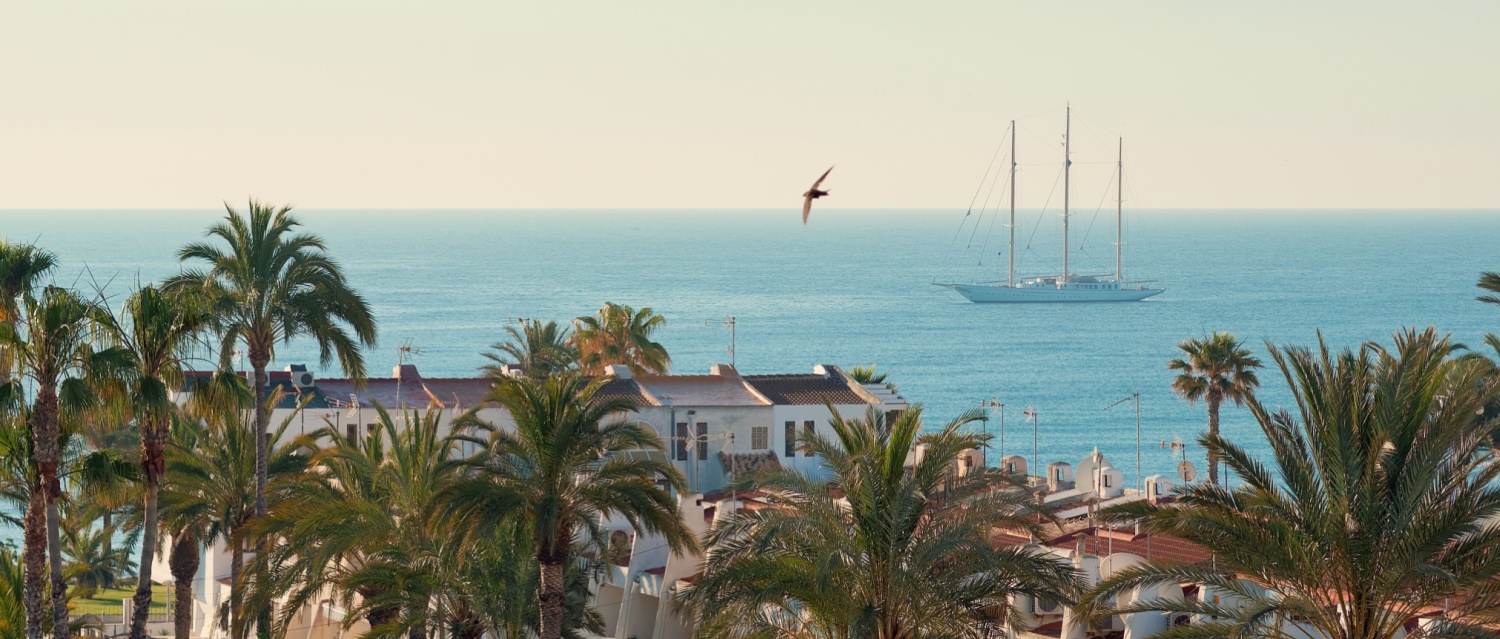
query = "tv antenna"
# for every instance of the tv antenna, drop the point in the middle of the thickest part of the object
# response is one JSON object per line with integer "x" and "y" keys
{"x": 406, "y": 350}
{"x": 729, "y": 323}
{"x": 403, "y": 352}
{"x": 996, "y": 407}
{"x": 1185, "y": 469}
{"x": 1139, "y": 477}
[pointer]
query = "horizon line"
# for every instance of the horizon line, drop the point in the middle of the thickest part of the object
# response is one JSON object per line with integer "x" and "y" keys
{"x": 747, "y": 209}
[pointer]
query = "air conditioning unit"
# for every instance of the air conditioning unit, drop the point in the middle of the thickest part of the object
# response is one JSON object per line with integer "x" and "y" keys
{"x": 302, "y": 380}
{"x": 1046, "y": 607}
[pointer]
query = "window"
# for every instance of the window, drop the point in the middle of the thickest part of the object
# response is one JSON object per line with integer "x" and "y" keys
{"x": 807, "y": 431}
{"x": 1059, "y": 474}
{"x": 702, "y": 443}
{"x": 1106, "y": 481}
{"x": 350, "y": 431}
{"x": 679, "y": 443}
{"x": 791, "y": 439}
{"x": 760, "y": 437}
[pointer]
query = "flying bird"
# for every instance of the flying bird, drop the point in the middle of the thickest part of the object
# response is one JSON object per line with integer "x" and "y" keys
{"x": 813, "y": 194}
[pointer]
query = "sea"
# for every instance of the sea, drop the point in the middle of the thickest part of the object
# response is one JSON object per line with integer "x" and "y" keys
{"x": 856, "y": 287}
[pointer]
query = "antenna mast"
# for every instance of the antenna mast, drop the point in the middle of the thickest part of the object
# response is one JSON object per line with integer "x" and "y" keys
{"x": 403, "y": 351}
{"x": 728, "y": 322}
{"x": 1120, "y": 211}
{"x": 1067, "y": 166}
{"x": 1012, "y": 226}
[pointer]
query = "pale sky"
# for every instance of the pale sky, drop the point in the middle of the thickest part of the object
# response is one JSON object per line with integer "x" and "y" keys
{"x": 609, "y": 104}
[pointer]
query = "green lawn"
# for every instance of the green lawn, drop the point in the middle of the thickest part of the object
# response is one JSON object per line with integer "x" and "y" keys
{"x": 107, "y": 601}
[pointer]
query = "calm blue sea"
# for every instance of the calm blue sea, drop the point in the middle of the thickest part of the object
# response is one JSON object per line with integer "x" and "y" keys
{"x": 854, "y": 287}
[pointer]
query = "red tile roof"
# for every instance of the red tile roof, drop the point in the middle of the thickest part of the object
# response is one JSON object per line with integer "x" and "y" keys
{"x": 1098, "y": 543}
{"x": 1155, "y": 547}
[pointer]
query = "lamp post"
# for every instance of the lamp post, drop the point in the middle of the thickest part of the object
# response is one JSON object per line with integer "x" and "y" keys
{"x": 1031, "y": 416}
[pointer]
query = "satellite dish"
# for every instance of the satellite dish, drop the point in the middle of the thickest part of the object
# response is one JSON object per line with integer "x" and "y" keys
{"x": 1187, "y": 471}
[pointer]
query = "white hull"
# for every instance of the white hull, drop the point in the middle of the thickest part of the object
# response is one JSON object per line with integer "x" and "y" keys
{"x": 1043, "y": 293}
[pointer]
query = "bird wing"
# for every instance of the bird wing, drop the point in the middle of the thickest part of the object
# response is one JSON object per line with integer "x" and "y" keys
{"x": 806, "y": 206}
{"x": 820, "y": 178}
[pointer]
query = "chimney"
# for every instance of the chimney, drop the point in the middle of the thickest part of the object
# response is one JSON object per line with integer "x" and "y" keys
{"x": 405, "y": 372}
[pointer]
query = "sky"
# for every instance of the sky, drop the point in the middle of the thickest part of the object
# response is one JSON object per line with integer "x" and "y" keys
{"x": 666, "y": 104}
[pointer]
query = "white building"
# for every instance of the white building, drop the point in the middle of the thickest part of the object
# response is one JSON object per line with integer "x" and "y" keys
{"x": 717, "y": 426}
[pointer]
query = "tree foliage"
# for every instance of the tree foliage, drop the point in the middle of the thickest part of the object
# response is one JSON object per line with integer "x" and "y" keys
{"x": 1377, "y": 505}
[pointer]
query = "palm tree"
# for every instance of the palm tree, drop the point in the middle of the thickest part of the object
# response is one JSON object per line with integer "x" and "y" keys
{"x": 560, "y": 472}
{"x": 211, "y": 487}
{"x": 866, "y": 375}
{"x": 619, "y": 334}
{"x": 56, "y": 353}
{"x": 366, "y": 521}
{"x": 154, "y": 331}
{"x": 1490, "y": 281}
{"x": 20, "y": 487}
{"x": 1216, "y": 368}
{"x": 103, "y": 431}
{"x": 498, "y": 589}
{"x": 538, "y": 348}
{"x": 22, "y": 266}
{"x": 188, "y": 518}
{"x": 1376, "y": 508}
{"x": 89, "y": 474}
{"x": 268, "y": 284}
{"x": 12, "y": 608}
{"x": 92, "y": 564}
{"x": 892, "y": 547}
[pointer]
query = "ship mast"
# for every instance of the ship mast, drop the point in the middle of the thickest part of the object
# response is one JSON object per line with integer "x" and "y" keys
{"x": 1119, "y": 211}
{"x": 1067, "y": 165}
{"x": 1012, "y": 226}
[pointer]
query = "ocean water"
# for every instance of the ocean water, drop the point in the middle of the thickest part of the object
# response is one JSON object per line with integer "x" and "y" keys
{"x": 855, "y": 287}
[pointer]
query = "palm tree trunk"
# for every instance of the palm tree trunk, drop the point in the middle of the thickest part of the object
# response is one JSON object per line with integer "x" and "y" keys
{"x": 377, "y": 617}
{"x": 142, "y": 597}
{"x": 54, "y": 556}
{"x": 35, "y": 561}
{"x": 153, "y": 465}
{"x": 419, "y": 631}
{"x": 259, "y": 358}
{"x": 550, "y": 599}
{"x": 184, "y": 566}
{"x": 1213, "y": 429}
{"x": 236, "y": 566}
{"x": 47, "y": 449}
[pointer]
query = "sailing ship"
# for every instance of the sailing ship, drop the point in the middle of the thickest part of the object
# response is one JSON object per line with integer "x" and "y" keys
{"x": 1067, "y": 287}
